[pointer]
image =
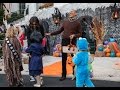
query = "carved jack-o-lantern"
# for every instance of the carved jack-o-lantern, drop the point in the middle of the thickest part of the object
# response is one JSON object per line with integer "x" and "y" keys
{"x": 69, "y": 60}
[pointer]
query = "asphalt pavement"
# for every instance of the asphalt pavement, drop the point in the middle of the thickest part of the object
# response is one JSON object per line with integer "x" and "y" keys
{"x": 105, "y": 74}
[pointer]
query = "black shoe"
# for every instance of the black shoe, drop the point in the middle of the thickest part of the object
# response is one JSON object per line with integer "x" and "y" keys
{"x": 0, "y": 69}
{"x": 62, "y": 78}
{"x": 20, "y": 85}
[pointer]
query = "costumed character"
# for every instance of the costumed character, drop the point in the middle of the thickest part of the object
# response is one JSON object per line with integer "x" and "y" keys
{"x": 81, "y": 61}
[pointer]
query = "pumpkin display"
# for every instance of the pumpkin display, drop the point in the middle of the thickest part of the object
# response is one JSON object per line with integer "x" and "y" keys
{"x": 100, "y": 48}
{"x": 118, "y": 54}
{"x": 106, "y": 42}
{"x": 107, "y": 54}
{"x": 107, "y": 50}
{"x": 112, "y": 54}
{"x": 56, "y": 54}
{"x": 69, "y": 60}
{"x": 112, "y": 39}
{"x": 112, "y": 49}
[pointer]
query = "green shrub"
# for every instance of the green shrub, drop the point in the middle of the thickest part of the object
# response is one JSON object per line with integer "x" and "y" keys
{"x": 2, "y": 36}
{"x": 1, "y": 15}
{"x": 14, "y": 17}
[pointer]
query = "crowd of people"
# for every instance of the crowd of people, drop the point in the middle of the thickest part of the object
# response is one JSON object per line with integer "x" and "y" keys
{"x": 35, "y": 35}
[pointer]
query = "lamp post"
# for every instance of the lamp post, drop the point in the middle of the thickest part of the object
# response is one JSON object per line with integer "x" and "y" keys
{"x": 115, "y": 14}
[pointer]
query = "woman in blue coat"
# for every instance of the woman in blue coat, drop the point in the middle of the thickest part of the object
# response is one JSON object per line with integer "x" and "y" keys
{"x": 81, "y": 61}
{"x": 36, "y": 51}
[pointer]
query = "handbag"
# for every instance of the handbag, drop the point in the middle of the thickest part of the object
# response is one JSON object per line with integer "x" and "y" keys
{"x": 69, "y": 48}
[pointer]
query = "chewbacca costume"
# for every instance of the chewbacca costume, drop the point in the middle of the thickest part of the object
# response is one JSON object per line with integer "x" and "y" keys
{"x": 12, "y": 67}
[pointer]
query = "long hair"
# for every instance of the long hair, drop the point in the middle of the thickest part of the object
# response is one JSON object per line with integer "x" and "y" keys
{"x": 39, "y": 26}
{"x": 34, "y": 19}
{"x": 10, "y": 33}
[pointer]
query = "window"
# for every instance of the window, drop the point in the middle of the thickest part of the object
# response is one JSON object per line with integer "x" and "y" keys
{"x": 22, "y": 8}
{"x": 1, "y": 5}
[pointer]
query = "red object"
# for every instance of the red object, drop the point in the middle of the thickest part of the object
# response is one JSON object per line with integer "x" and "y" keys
{"x": 44, "y": 41}
{"x": 21, "y": 38}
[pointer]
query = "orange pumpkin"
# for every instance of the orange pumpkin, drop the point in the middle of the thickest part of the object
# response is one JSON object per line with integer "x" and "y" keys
{"x": 69, "y": 60}
{"x": 118, "y": 54}
{"x": 107, "y": 54}
{"x": 107, "y": 50}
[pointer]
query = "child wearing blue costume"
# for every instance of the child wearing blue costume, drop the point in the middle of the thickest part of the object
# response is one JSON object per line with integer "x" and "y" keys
{"x": 81, "y": 60}
{"x": 36, "y": 51}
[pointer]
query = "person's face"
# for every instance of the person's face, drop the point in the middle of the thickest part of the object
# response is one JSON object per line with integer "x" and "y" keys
{"x": 34, "y": 24}
{"x": 72, "y": 14}
{"x": 56, "y": 20}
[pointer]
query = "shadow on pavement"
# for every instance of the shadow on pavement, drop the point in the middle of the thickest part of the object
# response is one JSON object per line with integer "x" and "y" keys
{"x": 54, "y": 82}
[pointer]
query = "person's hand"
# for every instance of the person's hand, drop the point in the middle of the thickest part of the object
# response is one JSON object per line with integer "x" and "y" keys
{"x": 72, "y": 36}
{"x": 47, "y": 34}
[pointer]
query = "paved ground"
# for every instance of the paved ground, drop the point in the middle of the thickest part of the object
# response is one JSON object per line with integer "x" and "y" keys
{"x": 105, "y": 75}
{"x": 54, "y": 82}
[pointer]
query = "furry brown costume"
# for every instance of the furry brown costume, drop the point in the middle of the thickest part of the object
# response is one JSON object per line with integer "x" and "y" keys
{"x": 12, "y": 67}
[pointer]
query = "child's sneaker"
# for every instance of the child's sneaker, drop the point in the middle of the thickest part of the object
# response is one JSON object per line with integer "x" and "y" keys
{"x": 91, "y": 74}
{"x": 41, "y": 80}
{"x": 73, "y": 78}
{"x": 32, "y": 79}
{"x": 37, "y": 85}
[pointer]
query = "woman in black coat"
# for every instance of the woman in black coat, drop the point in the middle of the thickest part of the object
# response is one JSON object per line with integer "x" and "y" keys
{"x": 34, "y": 25}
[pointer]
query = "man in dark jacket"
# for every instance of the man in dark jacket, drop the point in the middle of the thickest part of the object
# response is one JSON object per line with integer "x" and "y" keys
{"x": 70, "y": 29}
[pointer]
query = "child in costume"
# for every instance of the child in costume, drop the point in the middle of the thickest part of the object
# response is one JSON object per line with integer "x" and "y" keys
{"x": 89, "y": 66}
{"x": 81, "y": 60}
{"x": 36, "y": 51}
